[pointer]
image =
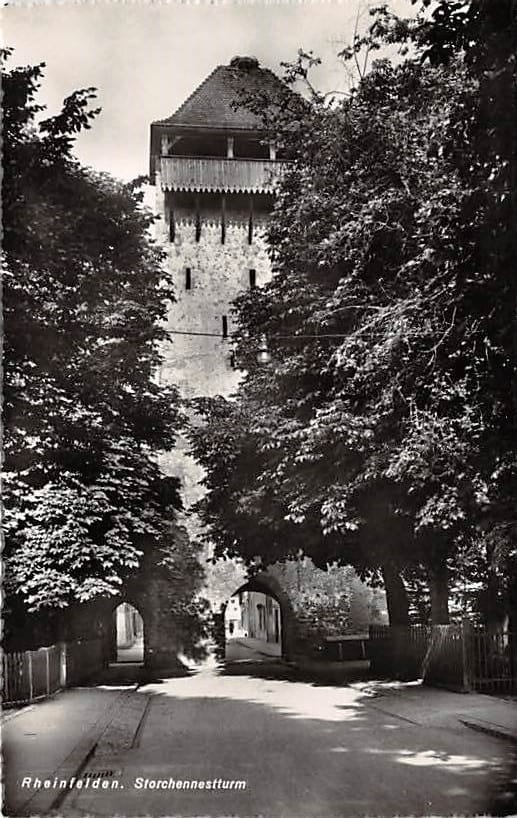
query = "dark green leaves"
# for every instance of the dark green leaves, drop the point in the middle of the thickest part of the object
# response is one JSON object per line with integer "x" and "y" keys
{"x": 84, "y": 295}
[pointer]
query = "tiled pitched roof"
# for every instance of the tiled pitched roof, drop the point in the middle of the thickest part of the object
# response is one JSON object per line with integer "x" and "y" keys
{"x": 210, "y": 105}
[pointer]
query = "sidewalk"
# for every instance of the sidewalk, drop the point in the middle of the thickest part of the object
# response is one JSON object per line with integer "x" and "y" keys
{"x": 52, "y": 738}
{"x": 410, "y": 701}
{"x": 435, "y": 707}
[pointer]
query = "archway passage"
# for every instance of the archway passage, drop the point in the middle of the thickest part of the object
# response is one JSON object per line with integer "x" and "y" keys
{"x": 252, "y": 625}
{"x": 130, "y": 633}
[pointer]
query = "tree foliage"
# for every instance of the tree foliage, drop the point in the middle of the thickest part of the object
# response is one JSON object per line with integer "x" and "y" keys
{"x": 85, "y": 293}
{"x": 383, "y": 431}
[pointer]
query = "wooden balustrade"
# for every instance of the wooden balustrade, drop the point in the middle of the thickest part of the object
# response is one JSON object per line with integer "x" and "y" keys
{"x": 201, "y": 174}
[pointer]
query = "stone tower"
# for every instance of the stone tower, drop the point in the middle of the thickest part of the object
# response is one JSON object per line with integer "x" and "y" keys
{"x": 214, "y": 176}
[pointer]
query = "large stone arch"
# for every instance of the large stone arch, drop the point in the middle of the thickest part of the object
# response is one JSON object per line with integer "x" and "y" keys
{"x": 268, "y": 584}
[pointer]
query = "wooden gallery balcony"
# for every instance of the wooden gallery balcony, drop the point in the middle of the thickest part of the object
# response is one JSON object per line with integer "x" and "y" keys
{"x": 199, "y": 174}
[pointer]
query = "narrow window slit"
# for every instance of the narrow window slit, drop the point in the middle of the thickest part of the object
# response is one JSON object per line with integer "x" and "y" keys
{"x": 225, "y": 326}
{"x": 198, "y": 220}
{"x": 188, "y": 279}
{"x": 250, "y": 223}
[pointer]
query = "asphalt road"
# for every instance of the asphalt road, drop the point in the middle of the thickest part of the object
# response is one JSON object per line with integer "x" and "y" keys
{"x": 301, "y": 750}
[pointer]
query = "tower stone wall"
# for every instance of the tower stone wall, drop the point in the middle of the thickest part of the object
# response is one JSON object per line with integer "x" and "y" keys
{"x": 208, "y": 275}
{"x": 202, "y": 365}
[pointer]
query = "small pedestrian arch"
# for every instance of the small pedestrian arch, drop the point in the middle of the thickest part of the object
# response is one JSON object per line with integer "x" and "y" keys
{"x": 156, "y": 632}
{"x": 128, "y": 626}
{"x": 258, "y": 621}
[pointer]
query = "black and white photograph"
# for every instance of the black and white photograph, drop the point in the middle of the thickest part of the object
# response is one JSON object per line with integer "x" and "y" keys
{"x": 259, "y": 417}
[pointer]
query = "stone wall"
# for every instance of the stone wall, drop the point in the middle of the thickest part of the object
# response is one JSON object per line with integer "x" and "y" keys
{"x": 327, "y": 603}
{"x": 153, "y": 597}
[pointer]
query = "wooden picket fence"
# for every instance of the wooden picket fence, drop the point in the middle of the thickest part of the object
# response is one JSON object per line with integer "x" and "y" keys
{"x": 444, "y": 662}
{"x": 397, "y": 650}
{"x": 380, "y": 650}
{"x": 492, "y": 660}
{"x": 459, "y": 656}
{"x": 31, "y": 675}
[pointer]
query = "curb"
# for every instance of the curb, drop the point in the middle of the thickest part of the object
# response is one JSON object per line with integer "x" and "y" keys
{"x": 10, "y": 716}
{"x": 490, "y": 729}
{"x": 120, "y": 734}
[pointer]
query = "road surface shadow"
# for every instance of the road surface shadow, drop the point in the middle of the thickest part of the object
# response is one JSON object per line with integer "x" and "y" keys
{"x": 314, "y": 673}
{"x": 125, "y": 673}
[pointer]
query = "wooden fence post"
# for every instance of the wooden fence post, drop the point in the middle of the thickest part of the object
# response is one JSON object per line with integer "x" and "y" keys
{"x": 62, "y": 664}
{"x": 28, "y": 654}
{"x": 47, "y": 669}
{"x": 5, "y": 678}
{"x": 466, "y": 650}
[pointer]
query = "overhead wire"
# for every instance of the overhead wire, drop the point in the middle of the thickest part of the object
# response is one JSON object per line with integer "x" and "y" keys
{"x": 278, "y": 337}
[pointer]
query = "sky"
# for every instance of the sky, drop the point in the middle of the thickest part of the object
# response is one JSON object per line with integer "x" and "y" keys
{"x": 144, "y": 59}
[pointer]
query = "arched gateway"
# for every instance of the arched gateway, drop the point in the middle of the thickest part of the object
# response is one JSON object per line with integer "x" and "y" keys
{"x": 129, "y": 627}
{"x": 258, "y": 621}
{"x": 138, "y": 626}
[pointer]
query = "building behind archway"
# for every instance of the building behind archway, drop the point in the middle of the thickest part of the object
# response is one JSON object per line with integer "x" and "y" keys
{"x": 253, "y": 619}
{"x": 129, "y": 625}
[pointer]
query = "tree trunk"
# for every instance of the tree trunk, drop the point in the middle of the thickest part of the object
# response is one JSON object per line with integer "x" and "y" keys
{"x": 511, "y": 626}
{"x": 439, "y": 587}
{"x": 396, "y": 596}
